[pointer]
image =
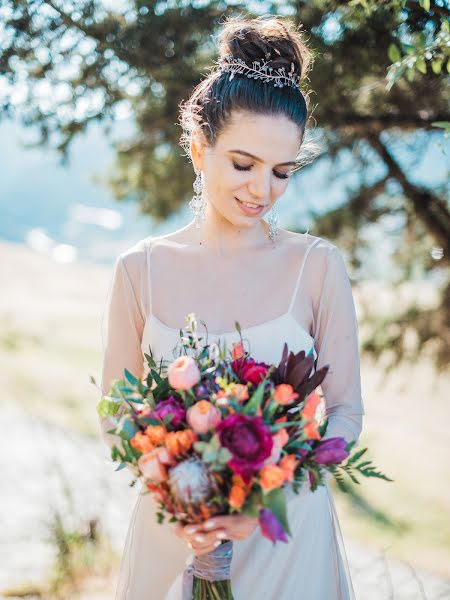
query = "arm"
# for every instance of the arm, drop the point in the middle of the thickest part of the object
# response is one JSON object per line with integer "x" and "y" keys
{"x": 336, "y": 342}
{"x": 123, "y": 324}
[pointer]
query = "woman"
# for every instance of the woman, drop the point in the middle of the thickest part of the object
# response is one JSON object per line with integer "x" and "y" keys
{"x": 244, "y": 126}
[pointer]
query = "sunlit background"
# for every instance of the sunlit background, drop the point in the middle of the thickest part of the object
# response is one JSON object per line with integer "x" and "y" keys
{"x": 65, "y": 511}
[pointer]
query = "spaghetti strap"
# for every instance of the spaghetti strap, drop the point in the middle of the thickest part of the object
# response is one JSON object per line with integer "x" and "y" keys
{"x": 149, "y": 279}
{"x": 294, "y": 295}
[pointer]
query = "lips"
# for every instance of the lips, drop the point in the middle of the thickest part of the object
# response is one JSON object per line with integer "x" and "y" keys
{"x": 249, "y": 210}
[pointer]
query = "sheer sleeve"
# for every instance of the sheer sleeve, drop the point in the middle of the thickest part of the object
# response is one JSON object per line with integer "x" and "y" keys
{"x": 336, "y": 343}
{"x": 122, "y": 328}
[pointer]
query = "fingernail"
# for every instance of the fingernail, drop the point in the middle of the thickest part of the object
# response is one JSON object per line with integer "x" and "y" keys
{"x": 190, "y": 530}
{"x": 221, "y": 535}
{"x": 200, "y": 538}
{"x": 216, "y": 544}
{"x": 209, "y": 525}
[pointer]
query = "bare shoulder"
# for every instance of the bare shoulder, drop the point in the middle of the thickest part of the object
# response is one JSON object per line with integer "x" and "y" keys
{"x": 319, "y": 249}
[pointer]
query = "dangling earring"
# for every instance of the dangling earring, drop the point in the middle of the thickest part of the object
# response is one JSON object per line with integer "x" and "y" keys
{"x": 272, "y": 219}
{"x": 198, "y": 203}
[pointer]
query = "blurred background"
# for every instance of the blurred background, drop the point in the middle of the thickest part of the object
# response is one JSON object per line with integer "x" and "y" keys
{"x": 90, "y": 163}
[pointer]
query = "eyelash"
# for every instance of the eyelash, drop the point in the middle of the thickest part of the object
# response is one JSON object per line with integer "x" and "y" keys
{"x": 279, "y": 175}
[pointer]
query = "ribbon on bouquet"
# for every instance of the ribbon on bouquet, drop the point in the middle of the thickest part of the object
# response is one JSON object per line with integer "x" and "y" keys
{"x": 213, "y": 566}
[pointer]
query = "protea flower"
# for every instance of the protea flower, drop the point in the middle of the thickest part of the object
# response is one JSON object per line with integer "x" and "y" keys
{"x": 192, "y": 487}
{"x": 295, "y": 369}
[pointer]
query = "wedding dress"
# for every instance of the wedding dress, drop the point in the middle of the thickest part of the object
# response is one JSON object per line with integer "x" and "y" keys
{"x": 313, "y": 564}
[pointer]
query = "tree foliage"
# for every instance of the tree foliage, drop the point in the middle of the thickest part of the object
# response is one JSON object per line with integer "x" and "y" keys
{"x": 379, "y": 85}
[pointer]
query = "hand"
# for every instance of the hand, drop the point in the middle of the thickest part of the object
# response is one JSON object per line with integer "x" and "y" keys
{"x": 204, "y": 537}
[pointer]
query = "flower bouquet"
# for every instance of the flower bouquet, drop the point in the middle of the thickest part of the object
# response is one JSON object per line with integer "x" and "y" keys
{"x": 216, "y": 432}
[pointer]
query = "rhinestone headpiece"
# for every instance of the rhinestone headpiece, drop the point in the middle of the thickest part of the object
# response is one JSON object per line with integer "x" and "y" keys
{"x": 259, "y": 69}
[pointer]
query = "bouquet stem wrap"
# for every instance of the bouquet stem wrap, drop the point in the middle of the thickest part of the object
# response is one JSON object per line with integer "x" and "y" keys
{"x": 213, "y": 569}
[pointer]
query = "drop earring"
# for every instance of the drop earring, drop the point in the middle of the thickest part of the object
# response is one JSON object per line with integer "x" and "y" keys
{"x": 198, "y": 203}
{"x": 272, "y": 219}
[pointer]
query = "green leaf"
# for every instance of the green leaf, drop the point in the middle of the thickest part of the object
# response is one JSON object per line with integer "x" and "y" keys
{"x": 421, "y": 65}
{"x": 394, "y": 53}
{"x": 127, "y": 429}
{"x": 107, "y": 408}
{"x": 251, "y": 505}
{"x": 121, "y": 466}
{"x": 255, "y": 401}
{"x": 130, "y": 377}
{"x": 356, "y": 456}
{"x": 275, "y": 500}
{"x": 224, "y": 455}
{"x": 426, "y": 5}
{"x": 436, "y": 66}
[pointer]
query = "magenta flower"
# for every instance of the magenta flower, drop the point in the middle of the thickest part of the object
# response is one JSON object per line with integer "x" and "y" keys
{"x": 250, "y": 371}
{"x": 249, "y": 440}
{"x": 173, "y": 407}
{"x": 331, "y": 451}
{"x": 271, "y": 527}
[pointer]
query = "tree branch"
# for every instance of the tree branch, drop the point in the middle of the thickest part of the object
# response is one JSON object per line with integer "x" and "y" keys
{"x": 430, "y": 208}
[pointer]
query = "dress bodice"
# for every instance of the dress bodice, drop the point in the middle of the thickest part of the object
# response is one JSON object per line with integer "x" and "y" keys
{"x": 264, "y": 341}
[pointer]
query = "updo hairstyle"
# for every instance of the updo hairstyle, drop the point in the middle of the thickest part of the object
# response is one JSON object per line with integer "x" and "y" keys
{"x": 214, "y": 99}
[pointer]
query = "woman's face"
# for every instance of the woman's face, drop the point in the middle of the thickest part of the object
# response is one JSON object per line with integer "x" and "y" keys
{"x": 251, "y": 162}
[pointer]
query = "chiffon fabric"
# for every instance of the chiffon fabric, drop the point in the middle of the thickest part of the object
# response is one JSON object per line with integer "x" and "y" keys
{"x": 320, "y": 316}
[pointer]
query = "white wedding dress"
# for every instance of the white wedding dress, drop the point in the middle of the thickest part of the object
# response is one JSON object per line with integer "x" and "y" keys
{"x": 313, "y": 564}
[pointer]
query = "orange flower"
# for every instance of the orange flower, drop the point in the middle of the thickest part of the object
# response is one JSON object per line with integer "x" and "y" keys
{"x": 141, "y": 442}
{"x": 239, "y": 391}
{"x": 311, "y": 404}
{"x": 284, "y": 394}
{"x": 271, "y": 477}
{"x": 311, "y": 430}
{"x": 237, "y": 350}
{"x": 179, "y": 442}
{"x": 237, "y": 496}
{"x": 156, "y": 434}
{"x": 288, "y": 464}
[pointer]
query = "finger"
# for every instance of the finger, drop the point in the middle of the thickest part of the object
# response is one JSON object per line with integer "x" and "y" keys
{"x": 199, "y": 550}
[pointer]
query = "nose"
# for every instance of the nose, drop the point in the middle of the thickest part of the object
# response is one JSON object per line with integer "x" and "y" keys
{"x": 259, "y": 186}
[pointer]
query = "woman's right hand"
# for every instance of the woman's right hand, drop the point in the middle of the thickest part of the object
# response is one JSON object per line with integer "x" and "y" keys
{"x": 200, "y": 541}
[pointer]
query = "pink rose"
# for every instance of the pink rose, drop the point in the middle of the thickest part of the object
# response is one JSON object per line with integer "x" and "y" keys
{"x": 153, "y": 464}
{"x": 202, "y": 416}
{"x": 183, "y": 373}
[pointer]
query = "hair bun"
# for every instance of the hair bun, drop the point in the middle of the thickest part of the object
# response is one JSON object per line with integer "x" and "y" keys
{"x": 266, "y": 37}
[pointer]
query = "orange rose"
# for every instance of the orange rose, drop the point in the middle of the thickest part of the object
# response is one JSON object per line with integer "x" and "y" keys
{"x": 288, "y": 464}
{"x": 179, "y": 442}
{"x": 312, "y": 401}
{"x": 237, "y": 350}
{"x": 152, "y": 467}
{"x": 141, "y": 442}
{"x": 237, "y": 496}
{"x": 271, "y": 477}
{"x": 284, "y": 394}
{"x": 156, "y": 434}
{"x": 239, "y": 391}
{"x": 203, "y": 416}
{"x": 311, "y": 430}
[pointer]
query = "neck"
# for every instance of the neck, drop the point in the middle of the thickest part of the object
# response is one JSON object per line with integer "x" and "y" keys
{"x": 218, "y": 234}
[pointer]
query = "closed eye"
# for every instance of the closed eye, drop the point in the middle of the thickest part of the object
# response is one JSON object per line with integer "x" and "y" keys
{"x": 247, "y": 168}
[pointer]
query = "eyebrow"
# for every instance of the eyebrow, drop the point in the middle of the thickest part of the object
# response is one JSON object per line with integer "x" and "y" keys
{"x": 244, "y": 153}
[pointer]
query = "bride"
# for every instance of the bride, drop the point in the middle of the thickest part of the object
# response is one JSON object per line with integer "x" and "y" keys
{"x": 243, "y": 125}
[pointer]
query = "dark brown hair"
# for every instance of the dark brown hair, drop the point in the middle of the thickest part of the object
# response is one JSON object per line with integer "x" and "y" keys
{"x": 214, "y": 99}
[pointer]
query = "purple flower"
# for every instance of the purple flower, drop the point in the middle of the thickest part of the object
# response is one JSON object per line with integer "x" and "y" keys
{"x": 173, "y": 407}
{"x": 271, "y": 527}
{"x": 331, "y": 451}
{"x": 249, "y": 440}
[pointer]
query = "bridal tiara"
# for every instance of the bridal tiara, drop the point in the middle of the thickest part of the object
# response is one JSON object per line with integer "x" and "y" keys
{"x": 259, "y": 70}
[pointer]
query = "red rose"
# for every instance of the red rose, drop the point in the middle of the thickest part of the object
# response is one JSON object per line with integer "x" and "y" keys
{"x": 250, "y": 371}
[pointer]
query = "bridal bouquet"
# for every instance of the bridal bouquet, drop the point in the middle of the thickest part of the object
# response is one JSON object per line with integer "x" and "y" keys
{"x": 217, "y": 432}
